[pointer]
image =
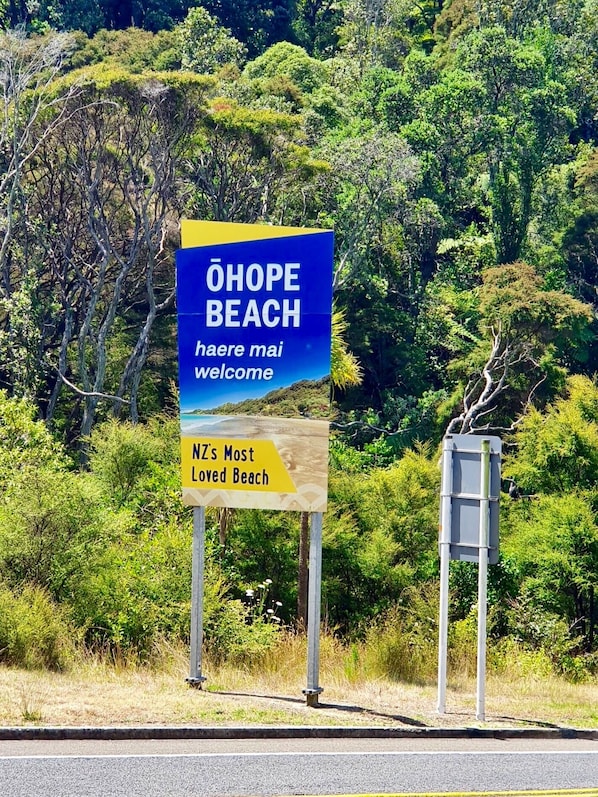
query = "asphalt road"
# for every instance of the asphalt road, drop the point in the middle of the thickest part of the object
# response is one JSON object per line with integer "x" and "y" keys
{"x": 212, "y": 768}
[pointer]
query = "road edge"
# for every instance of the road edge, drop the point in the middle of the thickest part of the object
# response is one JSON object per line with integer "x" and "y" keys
{"x": 287, "y": 732}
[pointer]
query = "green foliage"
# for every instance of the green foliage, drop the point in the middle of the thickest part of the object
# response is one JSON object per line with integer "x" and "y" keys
{"x": 137, "y": 588}
{"x": 550, "y": 532}
{"x": 557, "y": 545}
{"x": 449, "y": 322}
{"x": 379, "y": 536}
{"x": 514, "y": 297}
{"x": 19, "y": 342}
{"x": 316, "y": 25}
{"x": 527, "y": 105}
{"x": 244, "y": 632}
{"x": 25, "y": 442}
{"x": 548, "y": 640}
{"x": 238, "y": 638}
{"x": 504, "y": 585}
{"x": 511, "y": 658}
{"x": 51, "y": 522}
{"x": 136, "y": 49}
{"x": 402, "y": 644}
{"x": 526, "y": 334}
{"x": 382, "y": 35}
{"x": 61, "y": 15}
{"x": 580, "y": 238}
{"x": 204, "y": 45}
{"x": 262, "y": 545}
{"x": 553, "y": 534}
{"x": 123, "y": 456}
{"x": 326, "y": 109}
{"x": 35, "y": 632}
{"x": 344, "y": 367}
{"x": 291, "y": 60}
{"x": 145, "y": 15}
{"x": 452, "y": 148}
{"x": 557, "y": 450}
{"x": 257, "y": 23}
{"x": 462, "y": 638}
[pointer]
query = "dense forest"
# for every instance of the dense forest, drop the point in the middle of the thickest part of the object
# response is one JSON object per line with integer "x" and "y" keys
{"x": 452, "y": 146}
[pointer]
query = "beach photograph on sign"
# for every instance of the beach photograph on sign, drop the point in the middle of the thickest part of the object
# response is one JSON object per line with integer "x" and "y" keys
{"x": 254, "y": 331}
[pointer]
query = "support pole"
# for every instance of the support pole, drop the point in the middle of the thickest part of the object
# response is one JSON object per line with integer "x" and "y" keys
{"x": 445, "y": 554}
{"x": 196, "y": 678}
{"x": 313, "y": 611}
{"x": 483, "y": 577}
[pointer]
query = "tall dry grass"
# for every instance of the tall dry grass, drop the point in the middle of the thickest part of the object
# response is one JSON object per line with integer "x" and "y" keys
{"x": 109, "y": 690}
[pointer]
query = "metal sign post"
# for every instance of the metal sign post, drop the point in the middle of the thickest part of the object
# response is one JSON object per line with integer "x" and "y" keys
{"x": 197, "y": 578}
{"x": 483, "y": 577}
{"x": 313, "y": 610}
{"x": 445, "y": 555}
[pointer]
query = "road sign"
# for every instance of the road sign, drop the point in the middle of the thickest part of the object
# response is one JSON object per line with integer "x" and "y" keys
{"x": 254, "y": 332}
{"x": 469, "y": 495}
{"x": 461, "y": 495}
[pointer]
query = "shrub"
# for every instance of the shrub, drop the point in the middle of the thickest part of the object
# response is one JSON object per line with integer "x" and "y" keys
{"x": 403, "y": 645}
{"x": 25, "y": 443}
{"x": 237, "y": 637}
{"x": 51, "y": 525}
{"x": 35, "y": 633}
{"x": 510, "y": 659}
{"x": 288, "y": 59}
{"x": 121, "y": 453}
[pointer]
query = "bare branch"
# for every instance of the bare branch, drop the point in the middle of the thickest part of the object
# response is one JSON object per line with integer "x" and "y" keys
{"x": 92, "y": 393}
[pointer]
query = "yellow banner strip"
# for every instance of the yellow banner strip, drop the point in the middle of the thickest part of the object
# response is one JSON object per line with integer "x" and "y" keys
{"x": 209, "y": 233}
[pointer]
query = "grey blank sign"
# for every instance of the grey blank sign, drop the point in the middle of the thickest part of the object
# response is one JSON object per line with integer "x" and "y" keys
{"x": 466, "y": 452}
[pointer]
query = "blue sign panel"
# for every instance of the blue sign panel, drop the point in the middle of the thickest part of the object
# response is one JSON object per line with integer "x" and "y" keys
{"x": 254, "y": 317}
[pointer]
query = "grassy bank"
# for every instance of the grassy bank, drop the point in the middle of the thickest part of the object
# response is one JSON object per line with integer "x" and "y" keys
{"x": 268, "y": 691}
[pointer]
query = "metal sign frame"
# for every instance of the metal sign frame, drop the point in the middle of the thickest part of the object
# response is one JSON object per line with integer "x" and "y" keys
{"x": 469, "y": 520}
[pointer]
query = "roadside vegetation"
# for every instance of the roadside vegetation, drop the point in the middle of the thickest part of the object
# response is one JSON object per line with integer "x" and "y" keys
{"x": 101, "y": 691}
{"x": 454, "y": 151}
{"x": 99, "y": 559}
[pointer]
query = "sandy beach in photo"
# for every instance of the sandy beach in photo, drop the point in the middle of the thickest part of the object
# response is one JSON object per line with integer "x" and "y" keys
{"x": 302, "y": 445}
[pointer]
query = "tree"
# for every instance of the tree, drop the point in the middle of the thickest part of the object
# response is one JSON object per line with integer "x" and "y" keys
{"x": 551, "y": 531}
{"x": 386, "y": 234}
{"x": 528, "y": 121}
{"x": 67, "y": 15}
{"x": 315, "y": 25}
{"x": 25, "y": 442}
{"x": 31, "y": 114}
{"x": 554, "y": 543}
{"x": 379, "y": 536}
{"x": 382, "y": 32}
{"x": 105, "y": 190}
{"x": 449, "y": 134}
{"x": 345, "y": 371}
{"x": 257, "y": 24}
{"x": 557, "y": 449}
{"x": 373, "y": 175}
{"x": 205, "y": 45}
{"x": 580, "y": 240}
{"x": 246, "y": 161}
{"x": 526, "y": 333}
{"x": 288, "y": 59}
